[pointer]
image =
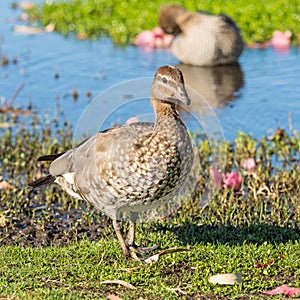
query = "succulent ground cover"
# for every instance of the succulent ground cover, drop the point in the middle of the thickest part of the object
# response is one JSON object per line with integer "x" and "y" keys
{"x": 122, "y": 20}
{"x": 55, "y": 247}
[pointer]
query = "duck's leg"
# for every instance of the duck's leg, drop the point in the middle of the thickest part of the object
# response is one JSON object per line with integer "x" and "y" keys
{"x": 130, "y": 241}
{"x": 117, "y": 229}
{"x": 130, "y": 234}
{"x": 131, "y": 230}
{"x": 133, "y": 249}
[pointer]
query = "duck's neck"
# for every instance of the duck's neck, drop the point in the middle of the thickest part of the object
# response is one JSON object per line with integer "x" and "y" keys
{"x": 166, "y": 117}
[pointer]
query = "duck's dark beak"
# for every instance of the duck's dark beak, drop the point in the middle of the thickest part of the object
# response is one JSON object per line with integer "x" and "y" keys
{"x": 181, "y": 96}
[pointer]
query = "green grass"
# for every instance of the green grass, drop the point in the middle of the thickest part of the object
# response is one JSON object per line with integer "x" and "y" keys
{"x": 54, "y": 247}
{"x": 122, "y": 20}
{"x": 75, "y": 271}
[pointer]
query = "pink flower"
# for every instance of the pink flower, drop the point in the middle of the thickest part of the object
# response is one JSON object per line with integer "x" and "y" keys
{"x": 145, "y": 39}
{"x": 153, "y": 39}
{"x": 249, "y": 165}
{"x": 157, "y": 32}
{"x": 162, "y": 39}
{"x": 283, "y": 289}
{"x": 281, "y": 39}
{"x": 216, "y": 176}
{"x": 232, "y": 180}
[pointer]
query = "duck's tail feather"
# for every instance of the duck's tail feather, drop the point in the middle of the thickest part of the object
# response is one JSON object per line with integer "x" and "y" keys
{"x": 42, "y": 181}
{"x": 50, "y": 157}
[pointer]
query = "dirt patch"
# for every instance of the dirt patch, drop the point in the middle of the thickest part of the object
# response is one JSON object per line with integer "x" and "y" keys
{"x": 54, "y": 224}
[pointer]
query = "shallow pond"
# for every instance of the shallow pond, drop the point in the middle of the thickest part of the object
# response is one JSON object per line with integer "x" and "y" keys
{"x": 255, "y": 97}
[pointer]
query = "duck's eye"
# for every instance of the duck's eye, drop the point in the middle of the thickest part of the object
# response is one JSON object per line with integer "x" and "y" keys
{"x": 165, "y": 80}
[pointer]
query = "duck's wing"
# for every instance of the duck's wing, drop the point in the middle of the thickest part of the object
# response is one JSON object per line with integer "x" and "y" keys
{"x": 103, "y": 143}
{"x": 105, "y": 148}
{"x": 85, "y": 158}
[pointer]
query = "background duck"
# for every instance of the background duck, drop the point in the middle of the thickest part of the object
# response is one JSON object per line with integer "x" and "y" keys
{"x": 201, "y": 39}
{"x": 127, "y": 167}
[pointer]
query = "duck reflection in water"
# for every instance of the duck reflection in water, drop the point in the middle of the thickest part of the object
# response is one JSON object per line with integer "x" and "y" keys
{"x": 212, "y": 87}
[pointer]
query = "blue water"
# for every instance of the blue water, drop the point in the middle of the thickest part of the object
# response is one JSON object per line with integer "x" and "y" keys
{"x": 256, "y": 97}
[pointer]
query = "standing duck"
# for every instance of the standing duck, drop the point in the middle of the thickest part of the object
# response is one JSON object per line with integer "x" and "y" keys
{"x": 201, "y": 39}
{"x": 124, "y": 168}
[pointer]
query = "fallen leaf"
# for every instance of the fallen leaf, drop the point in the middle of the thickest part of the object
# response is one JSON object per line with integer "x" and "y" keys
{"x": 154, "y": 258}
{"x": 229, "y": 279}
{"x": 283, "y": 289}
{"x": 121, "y": 282}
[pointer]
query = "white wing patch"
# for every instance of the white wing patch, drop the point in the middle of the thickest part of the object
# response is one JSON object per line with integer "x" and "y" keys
{"x": 69, "y": 177}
